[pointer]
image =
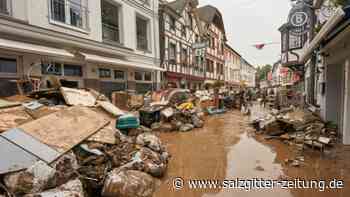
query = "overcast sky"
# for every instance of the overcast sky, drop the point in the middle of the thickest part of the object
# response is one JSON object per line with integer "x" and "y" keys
{"x": 249, "y": 22}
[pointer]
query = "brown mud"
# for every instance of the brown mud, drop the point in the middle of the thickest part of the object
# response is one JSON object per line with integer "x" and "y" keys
{"x": 227, "y": 148}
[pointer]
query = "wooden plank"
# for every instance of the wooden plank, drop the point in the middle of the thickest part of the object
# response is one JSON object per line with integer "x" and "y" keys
{"x": 13, "y": 117}
{"x": 76, "y": 97}
{"x": 7, "y": 104}
{"x": 65, "y": 129}
{"x": 105, "y": 135}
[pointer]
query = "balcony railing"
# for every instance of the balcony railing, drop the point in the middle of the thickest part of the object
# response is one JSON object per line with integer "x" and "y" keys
{"x": 110, "y": 33}
{"x": 69, "y": 12}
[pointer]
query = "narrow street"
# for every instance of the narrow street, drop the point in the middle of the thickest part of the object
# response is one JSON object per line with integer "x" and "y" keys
{"x": 227, "y": 149}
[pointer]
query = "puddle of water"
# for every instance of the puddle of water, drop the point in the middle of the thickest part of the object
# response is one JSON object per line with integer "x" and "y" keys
{"x": 249, "y": 159}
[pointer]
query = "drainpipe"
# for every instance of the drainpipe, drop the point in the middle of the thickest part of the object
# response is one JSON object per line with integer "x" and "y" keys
{"x": 157, "y": 75}
{"x": 313, "y": 58}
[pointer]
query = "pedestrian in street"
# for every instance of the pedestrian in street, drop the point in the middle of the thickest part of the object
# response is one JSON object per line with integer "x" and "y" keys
{"x": 263, "y": 98}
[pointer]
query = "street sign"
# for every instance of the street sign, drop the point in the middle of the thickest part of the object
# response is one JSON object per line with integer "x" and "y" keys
{"x": 299, "y": 19}
{"x": 200, "y": 45}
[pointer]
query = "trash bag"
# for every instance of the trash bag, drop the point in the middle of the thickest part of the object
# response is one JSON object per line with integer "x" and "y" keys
{"x": 149, "y": 140}
{"x": 65, "y": 169}
{"x": 186, "y": 127}
{"x": 34, "y": 179}
{"x": 197, "y": 122}
{"x": 128, "y": 183}
{"x": 151, "y": 162}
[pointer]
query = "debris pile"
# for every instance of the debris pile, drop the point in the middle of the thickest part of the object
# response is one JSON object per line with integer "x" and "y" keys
{"x": 76, "y": 142}
{"x": 299, "y": 128}
{"x": 72, "y": 142}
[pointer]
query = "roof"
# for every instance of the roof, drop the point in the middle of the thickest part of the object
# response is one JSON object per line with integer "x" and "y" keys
{"x": 229, "y": 47}
{"x": 250, "y": 65}
{"x": 179, "y": 5}
{"x": 210, "y": 14}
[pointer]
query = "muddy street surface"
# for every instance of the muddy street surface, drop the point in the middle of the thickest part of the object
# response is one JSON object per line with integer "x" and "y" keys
{"x": 227, "y": 148}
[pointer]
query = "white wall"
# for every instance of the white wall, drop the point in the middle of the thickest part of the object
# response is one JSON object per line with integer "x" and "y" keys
{"x": 38, "y": 15}
{"x": 36, "y": 12}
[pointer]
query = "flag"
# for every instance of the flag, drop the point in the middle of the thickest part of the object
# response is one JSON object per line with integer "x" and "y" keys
{"x": 259, "y": 46}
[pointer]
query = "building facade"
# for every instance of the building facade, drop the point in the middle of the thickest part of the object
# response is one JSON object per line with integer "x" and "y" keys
{"x": 179, "y": 30}
{"x": 248, "y": 74}
{"x": 330, "y": 51}
{"x": 214, "y": 31}
{"x": 232, "y": 66}
{"x": 107, "y": 45}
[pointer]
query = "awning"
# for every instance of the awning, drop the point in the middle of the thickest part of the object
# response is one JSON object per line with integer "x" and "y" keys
{"x": 33, "y": 48}
{"x": 114, "y": 61}
{"x": 326, "y": 29}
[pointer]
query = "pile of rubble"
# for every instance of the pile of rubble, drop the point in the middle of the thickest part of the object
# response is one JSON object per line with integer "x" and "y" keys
{"x": 66, "y": 143}
{"x": 299, "y": 128}
{"x": 76, "y": 142}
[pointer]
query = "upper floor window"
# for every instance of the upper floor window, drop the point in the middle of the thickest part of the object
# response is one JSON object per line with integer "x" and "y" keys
{"x": 212, "y": 42}
{"x": 110, "y": 21}
{"x": 4, "y": 9}
{"x": 184, "y": 56}
{"x": 190, "y": 20}
{"x": 172, "y": 53}
{"x": 183, "y": 31}
{"x": 70, "y": 12}
{"x": 172, "y": 23}
{"x": 142, "y": 29}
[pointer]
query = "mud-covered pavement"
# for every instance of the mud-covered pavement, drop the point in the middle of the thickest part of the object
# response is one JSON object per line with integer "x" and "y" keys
{"x": 227, "y": 148}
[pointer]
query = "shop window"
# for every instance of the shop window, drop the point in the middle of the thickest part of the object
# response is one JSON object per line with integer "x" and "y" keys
{"x": 8, "y": 65}
{"x": 148, "y": 76}
{"x": 73, "y": 70}
{"x": 69, "y": 84}
{"x": 51, "y": 69}
{"x": 138, "y": 76}
{"x": 104, "y": 73}
{"x": 119, "y": 74}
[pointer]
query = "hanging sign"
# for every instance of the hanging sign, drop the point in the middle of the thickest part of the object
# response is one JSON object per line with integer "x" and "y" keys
{"x": 299, "y": 19}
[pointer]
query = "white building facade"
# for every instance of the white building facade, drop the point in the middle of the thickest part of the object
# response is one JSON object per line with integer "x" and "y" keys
{"x": 248, "y": 74}
{"x": 232, "y": 66}
{"x": 107, "y": 45}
